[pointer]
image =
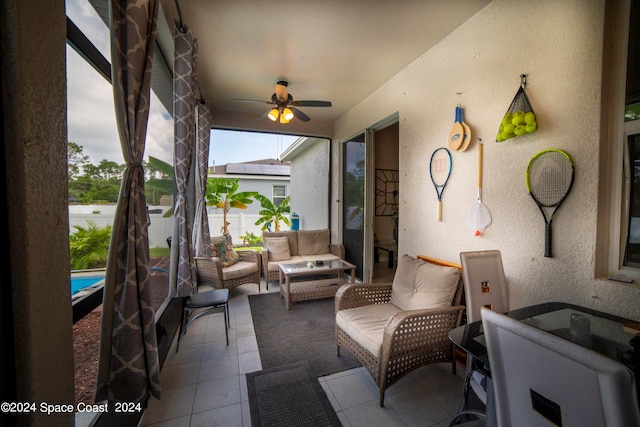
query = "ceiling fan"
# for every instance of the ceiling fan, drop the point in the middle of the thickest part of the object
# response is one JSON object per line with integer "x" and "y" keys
{"x": 284, "y": 107}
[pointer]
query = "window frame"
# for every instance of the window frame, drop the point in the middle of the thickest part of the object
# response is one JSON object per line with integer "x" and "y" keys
{"x": 615, "y": 197}
{"x": 274, "y": 196}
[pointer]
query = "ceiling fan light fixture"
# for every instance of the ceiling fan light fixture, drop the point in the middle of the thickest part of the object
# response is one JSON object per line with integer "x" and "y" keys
{"x": 273, "y": 114}
{"x": 287, "y": 114}
{"x": 283, "y": 119}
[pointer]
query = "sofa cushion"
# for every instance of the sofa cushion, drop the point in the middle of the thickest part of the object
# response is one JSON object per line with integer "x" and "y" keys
{"x": 313, "y": 242}
{"x": 275, "y": 265}
{"x": 320, "y": 257}
{"x": 366, "y": 324}
{"x": 222, "y": 247}
{"x": 278, "y": 248}
{"x": 291, "y": 235}
{"x": 239, "y": 269}
{"x": 418, "y": 284}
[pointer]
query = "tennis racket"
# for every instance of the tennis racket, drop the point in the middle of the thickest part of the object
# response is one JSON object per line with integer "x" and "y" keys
{"x": 549, "y": 180}
{"x": 440, "y": 171}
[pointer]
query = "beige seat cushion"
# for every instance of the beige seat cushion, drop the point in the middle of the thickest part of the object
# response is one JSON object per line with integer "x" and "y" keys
{"x": 275, "y": 265}
{"x": 366, "y": 324}
{"x": 418, "y": 284}
{"x": 278, "y": 248}
{"x": 239, "y": 269}
{"x": 320, "y": 257}
{"x": 313, "y": 242}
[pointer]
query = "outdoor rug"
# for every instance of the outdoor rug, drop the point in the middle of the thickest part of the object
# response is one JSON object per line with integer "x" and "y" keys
{"x": 304, "y": 333}
{"x": 289, "y": 395}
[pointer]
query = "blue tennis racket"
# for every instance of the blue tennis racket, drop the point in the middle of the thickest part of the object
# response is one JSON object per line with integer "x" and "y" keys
{"x": 440, "y": 171}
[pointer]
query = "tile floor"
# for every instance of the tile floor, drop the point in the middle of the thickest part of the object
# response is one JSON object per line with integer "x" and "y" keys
{"x": 204, "y": 383}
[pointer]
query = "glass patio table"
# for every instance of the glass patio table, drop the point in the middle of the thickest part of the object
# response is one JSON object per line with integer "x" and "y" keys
{"x": 301, "y": 281}
{"x": 607, "y": 336}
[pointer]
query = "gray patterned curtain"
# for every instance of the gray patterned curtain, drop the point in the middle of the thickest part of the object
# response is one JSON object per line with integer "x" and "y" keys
{"x": 182, "y": 279}
{"x": 201, "y": 237}
{"x": 129, "y": 368}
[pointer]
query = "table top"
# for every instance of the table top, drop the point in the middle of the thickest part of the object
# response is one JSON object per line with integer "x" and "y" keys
{"x": 607, "y": 333}
{"x": 302, "y": 268}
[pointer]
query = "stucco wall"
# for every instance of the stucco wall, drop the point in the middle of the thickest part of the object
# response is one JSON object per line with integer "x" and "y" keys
{"x": 309, "y": 186}
{"x": 559, "y": 45}
{"x": 34, "y": 117}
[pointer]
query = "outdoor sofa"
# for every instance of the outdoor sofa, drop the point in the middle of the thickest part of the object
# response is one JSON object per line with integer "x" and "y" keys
{"x": 296, "y": 246}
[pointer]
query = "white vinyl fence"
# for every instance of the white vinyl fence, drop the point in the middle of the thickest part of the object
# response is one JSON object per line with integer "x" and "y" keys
{"x": 160, "y": 228}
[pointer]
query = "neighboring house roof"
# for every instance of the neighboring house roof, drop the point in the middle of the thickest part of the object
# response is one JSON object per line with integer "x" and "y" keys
{"x": 265, "y": 167}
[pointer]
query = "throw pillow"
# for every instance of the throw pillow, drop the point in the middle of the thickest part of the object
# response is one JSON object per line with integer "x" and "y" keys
{"x": 222, "y": 247}
{"x": 313, "y": 242}
{"x": 419, "y": 284}
{"x": 278, "y": 248}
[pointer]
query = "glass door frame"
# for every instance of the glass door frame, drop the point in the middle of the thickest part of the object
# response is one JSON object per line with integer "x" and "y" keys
{"x": 369, "y": 191}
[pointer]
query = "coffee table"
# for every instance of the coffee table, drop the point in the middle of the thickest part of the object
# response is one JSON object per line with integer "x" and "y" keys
{"x": 318, "y": 281}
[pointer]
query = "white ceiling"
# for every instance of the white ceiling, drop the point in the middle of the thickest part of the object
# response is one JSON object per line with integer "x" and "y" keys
{"x": 338, "y": 51}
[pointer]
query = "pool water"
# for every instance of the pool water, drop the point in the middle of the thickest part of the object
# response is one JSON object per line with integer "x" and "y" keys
{"x": 79, "y": 283}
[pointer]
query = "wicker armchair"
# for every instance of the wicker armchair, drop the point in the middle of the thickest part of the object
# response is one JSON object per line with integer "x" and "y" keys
{"x": 394, "y": 342}
{"x": 211, "y": 271}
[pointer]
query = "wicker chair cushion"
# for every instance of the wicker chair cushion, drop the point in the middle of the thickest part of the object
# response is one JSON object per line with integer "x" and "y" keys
{"x": 239, "y": 269}
{"x": 419, "y": 285}
{"x": 278, "y": 248}
{"x": 313, "y": 242}
{"x": 222, "y": 247}
{"x": 365, "y": 325}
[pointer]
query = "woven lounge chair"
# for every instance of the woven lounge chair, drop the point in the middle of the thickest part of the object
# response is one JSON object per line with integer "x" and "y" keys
{"x": 394, "y": 328}
{"x": 212, "y": 272}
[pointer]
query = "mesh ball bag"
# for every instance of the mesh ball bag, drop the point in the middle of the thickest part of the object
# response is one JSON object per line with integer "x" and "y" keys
{"x": 520, "y": 119}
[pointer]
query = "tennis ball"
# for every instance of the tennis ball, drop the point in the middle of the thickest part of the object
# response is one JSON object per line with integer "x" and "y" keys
{"x": 530, "y": 117}
{"x": 517, "y": 119}
{"x": 507, "y": 119}
{"x": 532, "y": 127}
{"x": 508, "y": 128}
{"x": 499, "y": 137}
{"x": 520, "y": 130}
{"x": 506, "y": 135}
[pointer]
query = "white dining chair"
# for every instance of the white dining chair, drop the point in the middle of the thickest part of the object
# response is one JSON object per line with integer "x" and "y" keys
{"x": 485, "y": 285}
{"x": 540, "y": 379}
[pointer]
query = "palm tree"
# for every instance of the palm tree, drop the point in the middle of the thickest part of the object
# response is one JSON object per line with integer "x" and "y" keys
{"x": 223, "y": 193}
{"x": 272, "y": 213}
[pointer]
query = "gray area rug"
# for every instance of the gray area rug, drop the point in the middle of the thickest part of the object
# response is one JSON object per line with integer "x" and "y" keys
{"x": 289, "y": 395}
{"x": 304, "y": 333}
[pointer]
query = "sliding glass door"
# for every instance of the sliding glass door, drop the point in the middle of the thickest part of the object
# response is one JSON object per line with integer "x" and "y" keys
{"x": 353, "y": 196}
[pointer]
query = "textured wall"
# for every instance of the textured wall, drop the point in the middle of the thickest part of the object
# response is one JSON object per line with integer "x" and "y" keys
{"x": 309, "y": 186}
{"x": 559, "y": 45}
{"x": 34, "y": 95}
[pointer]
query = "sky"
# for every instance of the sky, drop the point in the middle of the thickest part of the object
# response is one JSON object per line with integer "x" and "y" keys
{"x": 91, "y": 118}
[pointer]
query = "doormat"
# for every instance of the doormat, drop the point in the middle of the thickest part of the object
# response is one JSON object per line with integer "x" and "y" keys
{"x": 289, "y": 395}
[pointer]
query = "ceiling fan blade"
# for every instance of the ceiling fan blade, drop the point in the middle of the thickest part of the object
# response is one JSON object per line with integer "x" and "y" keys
{"x": 312, "y": 103}
{"x": 263, "y": 115}
{"x": 254, "y": 100}
{"x": 299, "y": 114}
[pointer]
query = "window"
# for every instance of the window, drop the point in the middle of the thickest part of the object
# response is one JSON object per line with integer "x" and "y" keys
{"x": 95, "y": 171}
{"x": 623, "y": 247}
{"x": 279, "y": 194}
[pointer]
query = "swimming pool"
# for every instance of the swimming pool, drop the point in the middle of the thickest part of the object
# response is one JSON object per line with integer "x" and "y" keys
{"x": 79, "y": 283}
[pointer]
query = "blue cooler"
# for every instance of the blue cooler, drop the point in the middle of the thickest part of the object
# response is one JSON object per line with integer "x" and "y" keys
{"x": 295, "y": 221}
